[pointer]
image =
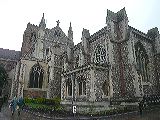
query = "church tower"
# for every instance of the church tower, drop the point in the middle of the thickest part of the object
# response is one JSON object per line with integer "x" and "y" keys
{"x": 118, "y": 23}
{"x": 123, "y": 86}
{"x": 85, "y": 38}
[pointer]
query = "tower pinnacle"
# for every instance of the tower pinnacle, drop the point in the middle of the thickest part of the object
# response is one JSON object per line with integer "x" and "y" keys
{"x": 70, "y": 27}
{"x": 42, "y": 23}
{"x": 70, "y": 33}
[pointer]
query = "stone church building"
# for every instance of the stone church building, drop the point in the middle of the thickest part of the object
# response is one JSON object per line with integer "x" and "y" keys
{"x": 117, "y": 62}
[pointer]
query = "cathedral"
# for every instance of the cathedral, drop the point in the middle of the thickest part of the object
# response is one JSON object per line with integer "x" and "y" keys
{"x": 116, "y": 63}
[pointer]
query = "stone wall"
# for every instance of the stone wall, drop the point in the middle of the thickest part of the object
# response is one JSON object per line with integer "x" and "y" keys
{"x": 157, "y": 68}
{"x": 34, "y": 93}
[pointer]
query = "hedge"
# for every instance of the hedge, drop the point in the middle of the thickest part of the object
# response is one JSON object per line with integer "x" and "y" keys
{"x": 43, "y": 103}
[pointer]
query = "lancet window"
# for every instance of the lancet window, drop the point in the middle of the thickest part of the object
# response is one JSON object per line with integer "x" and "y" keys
{"x": 105, "y": 88}
{"x": 47, "y": 51}
{"x": 142, "y": 61}
{"x": 81, "y": 86}
{"x": 69, "y": 86}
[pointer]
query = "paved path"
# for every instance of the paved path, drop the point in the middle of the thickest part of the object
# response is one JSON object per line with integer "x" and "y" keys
{"x": 147, "y": 115}
{"x": 5, "y": 114}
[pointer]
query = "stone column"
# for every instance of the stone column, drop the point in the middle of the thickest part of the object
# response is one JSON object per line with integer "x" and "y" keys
{"x": 14, "y": 89}
{"x": 20, "y": 80}
{"x": 21, "y": 86}
{"x": 110, "y": 83}
{"x": 62, "y": 88}
{"x": 51, "y": 78}
{"x": 92, "y": 92}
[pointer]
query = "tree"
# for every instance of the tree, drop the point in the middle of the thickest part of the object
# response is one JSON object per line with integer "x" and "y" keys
{"x": 3, "y": 78}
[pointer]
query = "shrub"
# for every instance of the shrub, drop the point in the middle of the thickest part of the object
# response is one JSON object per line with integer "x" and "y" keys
{"x": 44, "y": 104}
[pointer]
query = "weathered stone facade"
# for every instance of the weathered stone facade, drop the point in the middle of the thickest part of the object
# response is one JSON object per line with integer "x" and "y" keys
{"x": 116, "y": 63}
{"x": 8, "y": 59}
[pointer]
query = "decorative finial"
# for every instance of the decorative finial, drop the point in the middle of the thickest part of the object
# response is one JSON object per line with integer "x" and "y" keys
{"x": 57, "y": 22}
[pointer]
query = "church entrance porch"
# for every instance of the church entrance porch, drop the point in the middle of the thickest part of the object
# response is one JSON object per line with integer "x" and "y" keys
{"x": 86, "y": 87}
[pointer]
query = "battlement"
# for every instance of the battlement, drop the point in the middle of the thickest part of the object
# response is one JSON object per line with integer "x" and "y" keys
{"x": 116, "y": 17}
{"x": 98, "y": 34}
{"x": 141, "y": 34}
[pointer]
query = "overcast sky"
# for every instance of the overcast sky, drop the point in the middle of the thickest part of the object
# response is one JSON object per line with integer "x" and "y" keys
{"x": 90, "y": 14}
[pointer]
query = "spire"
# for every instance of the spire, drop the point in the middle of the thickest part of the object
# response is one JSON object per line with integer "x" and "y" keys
{"x": 70, "y": 32}
{"x": 42, "y": 23}
{"x": 70, "y": 27}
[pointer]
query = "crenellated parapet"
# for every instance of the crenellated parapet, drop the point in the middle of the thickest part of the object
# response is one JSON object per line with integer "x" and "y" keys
{"x": 29, "y": 36}
{"x": 118, "y": 23}
{"x": 99, "y": 34}
{"x": 140, "y": 35}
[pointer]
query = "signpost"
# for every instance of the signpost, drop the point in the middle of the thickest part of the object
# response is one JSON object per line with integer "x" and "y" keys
{"x": 74, "y": 109}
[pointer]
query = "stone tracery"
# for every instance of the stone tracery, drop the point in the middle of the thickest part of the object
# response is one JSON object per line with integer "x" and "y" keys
{"x": 142, "y": 61}
{"x": 99, "y": 55}
{"x": 36, "y": 77}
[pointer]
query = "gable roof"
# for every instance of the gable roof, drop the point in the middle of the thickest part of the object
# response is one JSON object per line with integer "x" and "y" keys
{"x": 9, "y": 54}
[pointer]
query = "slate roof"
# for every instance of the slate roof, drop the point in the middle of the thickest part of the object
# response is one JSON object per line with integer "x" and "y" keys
{"x": 9, "y": 54}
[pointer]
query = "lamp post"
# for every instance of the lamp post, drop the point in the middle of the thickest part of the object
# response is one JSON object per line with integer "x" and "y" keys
{"x": 73, "y": 98}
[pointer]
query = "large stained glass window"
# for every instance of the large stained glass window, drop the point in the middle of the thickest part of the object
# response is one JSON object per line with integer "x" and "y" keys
{"x": 36, "y": 77}
{"x": 99, "y": 55}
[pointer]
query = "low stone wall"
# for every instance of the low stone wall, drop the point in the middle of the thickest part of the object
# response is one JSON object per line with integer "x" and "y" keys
{"x": 34, "y": 94}
{"x": 86, "y": 107}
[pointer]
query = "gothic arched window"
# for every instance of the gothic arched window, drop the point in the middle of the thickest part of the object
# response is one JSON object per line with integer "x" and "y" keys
{"x": 33, "y": 37}
{"x": 69, "y": 86}
{"x": 142, "y": 61}
{"x": 105, "y": 87}
{"x": 36, "y": 77}
{"x": 81, "y": 86}
{"x": 99, "y": 55}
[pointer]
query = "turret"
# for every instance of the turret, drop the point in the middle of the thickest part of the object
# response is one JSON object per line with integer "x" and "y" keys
{"x": 70, "y": 33}
{"x": 85, "y": 38}
{"x": 154, "y": 34}
{"x": 42, "y": 23}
